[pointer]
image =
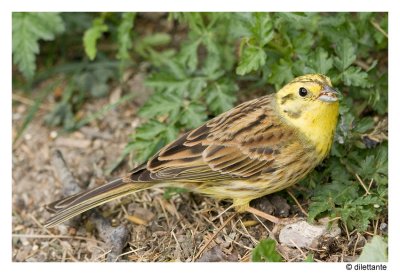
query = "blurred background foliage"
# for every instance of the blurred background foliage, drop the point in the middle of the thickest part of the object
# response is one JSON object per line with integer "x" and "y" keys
{"x": 201, "y": 64}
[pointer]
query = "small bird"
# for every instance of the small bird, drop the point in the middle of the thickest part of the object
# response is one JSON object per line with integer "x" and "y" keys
{"x": 257, "y": 148}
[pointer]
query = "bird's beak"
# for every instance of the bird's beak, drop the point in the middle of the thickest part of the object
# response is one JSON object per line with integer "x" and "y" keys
{"x": 328, "y": 94}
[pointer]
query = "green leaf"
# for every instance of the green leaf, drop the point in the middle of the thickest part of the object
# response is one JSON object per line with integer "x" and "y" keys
{"x": 345, "y": 52}
{"x": 252, "y": 58}
{"x": 318, "y": 206}
{"x": 27, "y": 29}
{"x": 364, "y": 124}
{"x": 374, "y": 251}
{"x": 297, "y": 20}
{"x": 188, "y": 54}
{"x": 150, "y": 137}
{"x": 321, "y": 62}
{"x": 172, "y": 191}
{"x": 157, "y": 39}
{"x": 265, "y": 252}
{"x": 262, "y": 28}
{"x": 161, "y": 103}
{"x": 355, "y": 77}
{"x": 309, "y": 258}
{"x": 91, "y": 36}
{"x": 281, "y": 73}
{"x": 124, "y": 35}
{"x": 221, "y": 96}
{"x": 193, "y": 115}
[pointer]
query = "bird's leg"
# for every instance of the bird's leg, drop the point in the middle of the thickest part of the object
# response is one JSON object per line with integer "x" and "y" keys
{"x": 263, "y": 215}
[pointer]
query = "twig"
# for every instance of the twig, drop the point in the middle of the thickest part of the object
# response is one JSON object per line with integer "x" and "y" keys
{"x": 376, "y": 226}
{"x": 298, "y": 248}
{"x": 376, "y": 25}
{"x": 363, "y": 185}
{"x": 266, "y": 228}
{"x": 362, "y": 64}
{"x": 52, "y": 236}
{"x": 297, "y": 202}
{"x": 176, "y": 240}
{"x": 261, "y": 214}
{"x": 165, "y": 212}
{"x": 355, "y": 245}
{"x": 27, "y": 101}
{"x": 213, "y": 236}
{"x": 248, "y": 234}
{"x": 347, "y": 231}
{"x": 370, "y": 184}
{"x": 220, "y": 214}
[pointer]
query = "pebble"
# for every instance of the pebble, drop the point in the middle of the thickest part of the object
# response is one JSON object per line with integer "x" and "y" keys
{"x": 302, "y": 234}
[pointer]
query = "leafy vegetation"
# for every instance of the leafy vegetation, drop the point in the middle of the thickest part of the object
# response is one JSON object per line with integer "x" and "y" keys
{"x": 265, "y": 252}
{"x": 27, "y": 29}
{"x": 208, "y": 62}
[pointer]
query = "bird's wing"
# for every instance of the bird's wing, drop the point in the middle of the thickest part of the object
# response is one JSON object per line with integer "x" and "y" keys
{"x": 240, "y": 143}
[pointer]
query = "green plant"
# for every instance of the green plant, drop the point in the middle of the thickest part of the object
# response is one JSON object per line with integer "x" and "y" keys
{"x": 265, "y": 252}
{"x": 28, "y": 28}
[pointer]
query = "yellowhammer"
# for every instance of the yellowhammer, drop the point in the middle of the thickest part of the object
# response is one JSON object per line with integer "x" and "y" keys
{"x": 257, "y": 148}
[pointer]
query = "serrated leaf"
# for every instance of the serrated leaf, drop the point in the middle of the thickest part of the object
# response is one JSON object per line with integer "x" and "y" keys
{"x": 193, "y": 115}
{"x": 91, "y": 36}
{"x": 196, "y": 86}
{"x": 317, "y": 207}
{"x": 262, "y": 29}
{"x": 161, "y": 103}
{"x": 265, "y": 252}
{"x": 345, "y": 52}
{"x": 188, "y": 54}
{"x": 124, "y": 35}
{"x": 321, "y": 62}
{"x": 27, "y": 29}
{"x": 364, "y": 124}
{"x": 221, "y": 96}
{"x": 298, "y": 20}
{"x": 281, "y": 73}
{"x": 374, "y": 251}
{"x": 252, "y": 58}
{"x": 355, "y": 77}
{"x": 150, "y": 137}
{"x": 164, "y": 81}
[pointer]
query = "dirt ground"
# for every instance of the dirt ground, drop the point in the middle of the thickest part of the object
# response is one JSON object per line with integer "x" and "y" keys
{"x": 148, "y": 227}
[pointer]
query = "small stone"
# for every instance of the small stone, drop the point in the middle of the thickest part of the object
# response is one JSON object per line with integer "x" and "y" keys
{"x": 383, "y": 227}
{"x": 216, "y": 254}
{"x": 302, "y": 234}
{"x": 53, "y": 134}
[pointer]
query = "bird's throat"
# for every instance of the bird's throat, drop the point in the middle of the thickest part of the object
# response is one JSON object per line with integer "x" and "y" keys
{"x": 317, "y": 123}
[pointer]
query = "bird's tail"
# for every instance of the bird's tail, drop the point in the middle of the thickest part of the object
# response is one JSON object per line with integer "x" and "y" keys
{"x": 71, "y": 206}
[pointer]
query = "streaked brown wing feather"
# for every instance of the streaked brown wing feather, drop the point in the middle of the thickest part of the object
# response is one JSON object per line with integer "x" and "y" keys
{"x": 240, "y": 143}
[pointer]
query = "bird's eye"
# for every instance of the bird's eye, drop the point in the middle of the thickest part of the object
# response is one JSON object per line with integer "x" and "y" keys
{"x": 303, "y": 92}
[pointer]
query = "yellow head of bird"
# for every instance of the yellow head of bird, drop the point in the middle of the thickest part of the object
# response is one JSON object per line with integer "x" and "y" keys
{"x": 311, "y": 104}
